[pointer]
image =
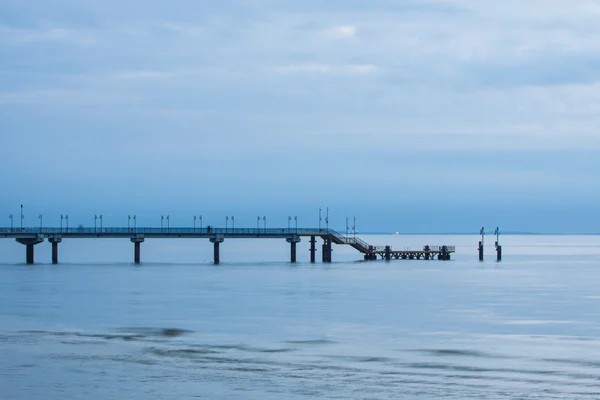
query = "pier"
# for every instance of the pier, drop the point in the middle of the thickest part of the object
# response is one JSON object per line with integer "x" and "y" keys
{"x": 29, "y": 237}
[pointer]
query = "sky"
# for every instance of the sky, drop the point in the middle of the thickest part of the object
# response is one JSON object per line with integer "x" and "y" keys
{"x": 410, "y": 115}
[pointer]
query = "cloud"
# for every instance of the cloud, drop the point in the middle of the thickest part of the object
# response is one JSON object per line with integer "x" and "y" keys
{"x": 20, "y": 36}
{"x": 345, "y": 31}
{"x": 350, "y": 69}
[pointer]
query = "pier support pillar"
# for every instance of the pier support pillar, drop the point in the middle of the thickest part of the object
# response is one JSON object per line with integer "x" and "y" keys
{"x": 292, "y": 241}
{"x": 313, "y": 249}
{"x": 54, "y": 252}
{"x": 388, "y": 256}
{"x": 29, "y": 254}
{"x": 445, "y": 253}
{"x": 480, "y": 250}
{"x": 327, "y": 249}
{"x": 137, "y": 241}
{"x": 216, "y": 241}
{"x": 55, "y": 241}
{"x": 293, "y": 252}
{"x": 427, "y": 249}
{"x": 29, "y": 243}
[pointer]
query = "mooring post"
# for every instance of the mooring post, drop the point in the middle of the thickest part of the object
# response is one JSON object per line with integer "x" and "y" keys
{"x": 481, "y": 242}
{"x": 313, "y": 249}
{"x": 216, "y": 241}
{"x": 388, "y": 255}
{"x": 137, "y": 241}
{"x": 55, "y": 241}
{"x": 498, "y": 247}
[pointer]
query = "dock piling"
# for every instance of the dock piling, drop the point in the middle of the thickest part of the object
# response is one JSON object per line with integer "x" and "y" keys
{"x": 55, "y": 241}
{"x": 498, "y": 247}
{"x": 313, "y": 249}
{"x": 292, "y": 241}
{"x": 216, "y": 241}
{"x": 137, "y": 241}
{"x": 29, "y": 245}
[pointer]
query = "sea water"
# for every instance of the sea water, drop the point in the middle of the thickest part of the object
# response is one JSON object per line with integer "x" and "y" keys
{"x": 96, "y": 326}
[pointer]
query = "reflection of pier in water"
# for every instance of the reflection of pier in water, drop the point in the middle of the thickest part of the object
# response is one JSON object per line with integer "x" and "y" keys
{"x": 32, "y": 236}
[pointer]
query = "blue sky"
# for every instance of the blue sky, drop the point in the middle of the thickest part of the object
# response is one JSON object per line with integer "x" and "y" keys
{"x": 413, "y": 116}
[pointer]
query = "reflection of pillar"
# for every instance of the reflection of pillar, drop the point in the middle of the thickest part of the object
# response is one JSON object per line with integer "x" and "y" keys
{"x": 292, "y": 241}
{"x": 216, "y": 241}
{"x": 55, "y": 241}
{"x": 313, "y": 249}
{"x": 137, "y": 241}
{"x": 480, "y": 250}
{"x": 29, "y": 244}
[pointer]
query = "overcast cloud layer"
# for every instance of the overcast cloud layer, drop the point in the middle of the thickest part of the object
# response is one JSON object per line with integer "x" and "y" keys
{"x": 412, "y": 115}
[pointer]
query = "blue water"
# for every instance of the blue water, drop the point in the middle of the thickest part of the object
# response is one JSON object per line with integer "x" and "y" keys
{"x": 256, "y": 327}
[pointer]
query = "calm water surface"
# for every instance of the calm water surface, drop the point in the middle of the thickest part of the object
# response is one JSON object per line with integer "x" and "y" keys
{"x": 256, "y": 327}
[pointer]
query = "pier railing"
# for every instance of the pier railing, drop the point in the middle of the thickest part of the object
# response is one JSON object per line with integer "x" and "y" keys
{"x": 169, "y": 231}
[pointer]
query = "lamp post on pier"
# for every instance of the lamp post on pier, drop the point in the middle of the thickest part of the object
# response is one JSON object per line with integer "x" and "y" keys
{"x": 168, "y": 223}
{"x": 232, "y": 224}
{"x": 327, "y": 219}
{"x": 11, "y": 217}
{"x": 265, "y": 223}
{"x": 162, "y": 218}
{"x": 296, "y": 222}
{"x": 134, "y": 223}
{"x": 257, "y": 223}
{"x": 67, "y": 222}
{"x": 194, "y": 222}
{"x": 354, "y": 228}
{"x": 319, "y": 219}
{"x": 95, "y": 219}
{"x": 289, "y": 222}
{"x": 128, "y": 222}
{"x": 22, "y": 217}
{"x": 347, "y": 227}
{"x": 100, "y": 218}
{"x": 226, "y": 223}
{"x": 41, "y": 222}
